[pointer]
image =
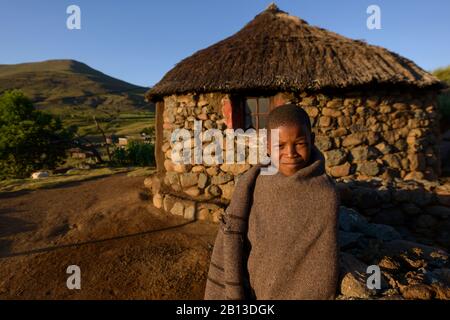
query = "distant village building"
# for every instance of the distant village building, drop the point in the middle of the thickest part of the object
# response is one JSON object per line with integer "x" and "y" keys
{"x": 123, "y": 142}
{"x": 112, "y": 139}
{"x": 77, "y": 153}
{"x": 374, "y": 112}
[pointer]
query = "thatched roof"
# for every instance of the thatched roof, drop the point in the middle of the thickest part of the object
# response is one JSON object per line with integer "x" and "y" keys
{"x": 276, "y": 51}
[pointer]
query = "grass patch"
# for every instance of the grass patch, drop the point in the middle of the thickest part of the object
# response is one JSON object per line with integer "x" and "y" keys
{"x": 74, "y": 175}
{"x": 142, "y": 172}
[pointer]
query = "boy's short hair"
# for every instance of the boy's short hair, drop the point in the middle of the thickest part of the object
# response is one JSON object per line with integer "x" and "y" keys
{"x": 288, "y": 114}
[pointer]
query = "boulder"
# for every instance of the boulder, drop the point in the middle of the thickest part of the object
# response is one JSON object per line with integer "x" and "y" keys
{"x": 221, "y": 178}
{"x": 341, "y": 170}
{"x": 417, "y": 292}
{"x": 350, "y": 220}
{"x": 40, "y": 175}
{"x": 438, "y": 211}
{"x": 393, "y": 217}
{"x": 354, "y": 278}
{"x": 348, "y": 239}
{"x": 369, "y": 168}
{"x": 381, "y": 232}
{"x": 335, "y": 157}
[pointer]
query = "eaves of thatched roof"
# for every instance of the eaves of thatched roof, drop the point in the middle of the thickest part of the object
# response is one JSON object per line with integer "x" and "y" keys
{"x": 280, "y": 52}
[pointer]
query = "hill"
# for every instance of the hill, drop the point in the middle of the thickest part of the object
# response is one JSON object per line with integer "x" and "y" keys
{"x": 71, "y": 88}
{"x": 443, "y": 74}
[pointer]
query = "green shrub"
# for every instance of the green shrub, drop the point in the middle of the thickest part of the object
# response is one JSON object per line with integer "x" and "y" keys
{"x": 30, "y": 140}
{"x": 444, "y": 105}
{"x": 136, "y": 153}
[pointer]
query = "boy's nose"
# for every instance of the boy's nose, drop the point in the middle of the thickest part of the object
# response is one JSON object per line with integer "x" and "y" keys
{"x": 291, "y": 152}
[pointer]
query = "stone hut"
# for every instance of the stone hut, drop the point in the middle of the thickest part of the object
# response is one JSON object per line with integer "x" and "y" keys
{"x": 374, "y": 112}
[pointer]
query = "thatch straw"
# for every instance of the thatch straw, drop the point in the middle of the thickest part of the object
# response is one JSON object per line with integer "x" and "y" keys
{"x": 276, "y": 51}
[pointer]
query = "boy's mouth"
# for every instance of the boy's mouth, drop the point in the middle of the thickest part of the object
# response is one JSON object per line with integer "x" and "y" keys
{"x": 293, "y": 163}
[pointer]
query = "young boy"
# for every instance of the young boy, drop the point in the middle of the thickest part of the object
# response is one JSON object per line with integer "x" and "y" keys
{"x": 278, "y": 237}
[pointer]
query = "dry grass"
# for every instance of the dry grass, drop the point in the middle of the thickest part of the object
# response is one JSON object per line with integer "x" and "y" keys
{"x": 74, "y": 175}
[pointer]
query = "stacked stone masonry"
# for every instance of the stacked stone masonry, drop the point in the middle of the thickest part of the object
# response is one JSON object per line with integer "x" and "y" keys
{"x": 363, "y": 135}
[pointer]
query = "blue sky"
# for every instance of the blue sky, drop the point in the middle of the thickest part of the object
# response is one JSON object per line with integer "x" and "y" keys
{"x": 139, "y": 41}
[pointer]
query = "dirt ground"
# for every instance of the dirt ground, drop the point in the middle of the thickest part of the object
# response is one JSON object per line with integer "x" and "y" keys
{"x": 125, "y": 248}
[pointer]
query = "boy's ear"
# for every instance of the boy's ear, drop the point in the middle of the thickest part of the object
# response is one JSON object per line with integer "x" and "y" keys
{"x": 313, "y": 138}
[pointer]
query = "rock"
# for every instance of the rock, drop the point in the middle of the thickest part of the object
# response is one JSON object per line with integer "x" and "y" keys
{"x": 347, "y": 239}
{"x": 189, "y": 179}
{"x": 311, "y": 111}
{"x": 442, "y": 275}
{"x": 227, "y": 190}
{"x": 417, "y": 162}
{"x": 417, "y": 292}
{"x": 323, "y": 143}
{"x": 425, "y": 222}
{"x": 168, "y": 203}
{"x": 385, "y": 109}
{"x": 148, "y": 182}
{"x": 39, "y": 175}
{"x": 212, "y": 171}
{"x": 335, "y": 103}
{"x": 341, "y": 170}
{"x": 363, "y": 153}
{"x": 166, "y": 146}
{"x": 339, "y": 132}
{"x": 434, "y": 256}
{"x": 181, "y": 168}
{"x": 202, "y": 180}
{"x": 335, "y": 157}
{"x": 192, "y": 191}
{"x": 443, "y": 234}
{"x": 442, "y": 291}
{"x": 393, "y": 161}
{"x": 411, "y": 209}
{"x": 438, "y": 211}
{"x": 324, "y": 121}
{"x": 198, "y": 169}
{"x": 350, "y": 220}
{"x": 381, "y": 232}
{"x": 235, "y": 169}
{"x": 168, "y": 165}
{"x": 171, "y": 178}
{"x": 177, "y": 209}
{"x": 354, "y": 277}
{"x": 221, "y": 178}
{"x": 389, "y": 263}
{"x": 329, "y": 112}
{"x": 370, "y": 168}
{"x": 158, "y": 201}
{"x": 353, "y": 140}
{"x": 189, "y": 212}
{"x": 384, "y": 148}
{"x": 365, "y": 198}
{"x": 213, "y": 191}
{"x": 393, "y": 217}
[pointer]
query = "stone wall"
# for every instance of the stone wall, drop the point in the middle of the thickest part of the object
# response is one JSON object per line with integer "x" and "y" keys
{"x": 363, "y": 136}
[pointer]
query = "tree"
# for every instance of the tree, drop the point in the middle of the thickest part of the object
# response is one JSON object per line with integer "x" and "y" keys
{"x": 29, "y": 139}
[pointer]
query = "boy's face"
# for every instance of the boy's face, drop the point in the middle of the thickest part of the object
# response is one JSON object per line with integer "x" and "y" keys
{"x": 295, "y": 143}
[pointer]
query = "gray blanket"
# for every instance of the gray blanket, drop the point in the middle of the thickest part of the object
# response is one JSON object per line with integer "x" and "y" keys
{"x": 278, "y": 238}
